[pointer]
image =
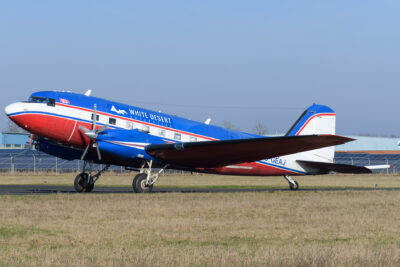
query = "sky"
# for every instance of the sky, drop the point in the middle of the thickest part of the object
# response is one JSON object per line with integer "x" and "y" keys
{"x": 238, "y": 61}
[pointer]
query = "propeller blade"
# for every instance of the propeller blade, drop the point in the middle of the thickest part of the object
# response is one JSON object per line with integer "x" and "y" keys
{"x": 98, "y": 151}
{"x": 92, "y": 134}
{"x": 84, "y": 129}
{"x": 84, "y": 152}
{"x": 102, "y": 128}
{"x": 30, "y": 141}
{"x": 94, "y": 117}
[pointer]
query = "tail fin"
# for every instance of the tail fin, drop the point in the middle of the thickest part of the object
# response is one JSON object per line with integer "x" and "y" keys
{"x": 317, "y": 119}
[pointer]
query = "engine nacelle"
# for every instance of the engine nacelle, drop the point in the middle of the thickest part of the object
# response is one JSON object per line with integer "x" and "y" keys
{"x": 57, "y": 150}
{"x": 123, "y": 150}
{"x": 126, "y": 144}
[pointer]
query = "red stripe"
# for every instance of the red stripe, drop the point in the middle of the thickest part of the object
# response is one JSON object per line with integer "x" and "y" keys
{"x": 280, "y": 169}
{"x": 258, "y": 169}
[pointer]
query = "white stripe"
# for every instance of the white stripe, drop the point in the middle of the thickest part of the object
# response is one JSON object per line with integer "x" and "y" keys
{"x": 72, "y": 132}
{"x": 239, "y": 167}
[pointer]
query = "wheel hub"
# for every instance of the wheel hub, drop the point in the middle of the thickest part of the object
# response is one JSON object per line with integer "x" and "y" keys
{"x": 143, "y": 184}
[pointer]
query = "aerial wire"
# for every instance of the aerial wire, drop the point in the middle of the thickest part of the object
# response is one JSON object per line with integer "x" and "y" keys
{"x": 219, "y": 107}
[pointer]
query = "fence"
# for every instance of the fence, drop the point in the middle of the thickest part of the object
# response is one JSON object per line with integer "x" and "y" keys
{"x": 371, "y": 159}
{"x": 25, "y": 160}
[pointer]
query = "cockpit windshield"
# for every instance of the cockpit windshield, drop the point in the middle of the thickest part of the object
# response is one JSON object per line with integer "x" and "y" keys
{"x": 37, "y": 99}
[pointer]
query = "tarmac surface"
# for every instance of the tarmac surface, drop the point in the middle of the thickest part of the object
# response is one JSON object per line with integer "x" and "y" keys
{"x": 56, "y": 189}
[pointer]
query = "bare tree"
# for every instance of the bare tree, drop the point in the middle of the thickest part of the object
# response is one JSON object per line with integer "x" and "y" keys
{"x": 368, "y": 134}
{"x": 229, "y": 125}
{"x": 260, "y": 128}
{"x": 377, "y": 135}
{"x": 13, "y": 128}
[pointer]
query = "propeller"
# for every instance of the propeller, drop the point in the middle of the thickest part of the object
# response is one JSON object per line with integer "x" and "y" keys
{"x": 33, "y": 141}
{"x": 92, "y": 134}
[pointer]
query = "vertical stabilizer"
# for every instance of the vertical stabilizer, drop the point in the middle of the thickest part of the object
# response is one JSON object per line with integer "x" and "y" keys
{"x": 317, "y": 119}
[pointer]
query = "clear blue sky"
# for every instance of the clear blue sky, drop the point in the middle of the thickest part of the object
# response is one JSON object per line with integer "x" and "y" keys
{"x": 271, "y": 59}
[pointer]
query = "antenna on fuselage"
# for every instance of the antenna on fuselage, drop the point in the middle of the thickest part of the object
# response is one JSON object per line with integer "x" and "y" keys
{"x": 88, "y": 92}
{"x": 208, "y": 121}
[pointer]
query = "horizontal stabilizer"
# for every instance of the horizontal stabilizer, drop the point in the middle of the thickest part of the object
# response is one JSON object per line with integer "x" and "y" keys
{"x": 378, "y": 167}
{"x": 324, "y": 167}
{"x": 211, "y": 154}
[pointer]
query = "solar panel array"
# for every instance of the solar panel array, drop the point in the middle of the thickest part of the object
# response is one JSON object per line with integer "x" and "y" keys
{"x": 361, "y": 159}
{"x": 25, "y": 160}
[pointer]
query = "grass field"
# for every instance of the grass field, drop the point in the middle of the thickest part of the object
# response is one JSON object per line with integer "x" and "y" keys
{"x": 282, "y": 228}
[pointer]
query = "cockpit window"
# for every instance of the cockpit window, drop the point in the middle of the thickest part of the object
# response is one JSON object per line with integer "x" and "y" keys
{"x": 37, "y": 99}
{"x": 51, "y": 102}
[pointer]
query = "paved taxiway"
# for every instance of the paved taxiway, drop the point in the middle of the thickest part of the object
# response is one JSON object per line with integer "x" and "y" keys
{"x": 54, "y": 189}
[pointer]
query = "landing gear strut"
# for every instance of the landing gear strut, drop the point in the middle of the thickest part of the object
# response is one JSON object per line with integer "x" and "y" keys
{"x": 293, "y": 185}
{"x": 144, "y": 181}
{"x": 84, "y": 182}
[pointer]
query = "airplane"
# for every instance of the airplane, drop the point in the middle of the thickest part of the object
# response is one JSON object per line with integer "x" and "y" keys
{"x": 79, "y": 126}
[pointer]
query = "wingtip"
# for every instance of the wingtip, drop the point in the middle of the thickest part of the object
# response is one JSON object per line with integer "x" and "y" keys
{"x": 348, "y": 139}
{"x": 345, "y": 139}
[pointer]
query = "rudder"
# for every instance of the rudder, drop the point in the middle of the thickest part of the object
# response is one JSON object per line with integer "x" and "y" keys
{"x": 317, "y": 119}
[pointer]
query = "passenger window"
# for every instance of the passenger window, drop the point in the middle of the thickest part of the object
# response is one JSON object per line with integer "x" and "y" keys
{"x": 112, "y": 121}
{"x": 51, "y": 102}
{"x": 145, "y": 129}
{"x": 162, "y": 132}
{"x": 129, "y": 125}
{"x": 193, "y": 139}
{"x": 97, "y": 117}
{"x": 177, "y": 136}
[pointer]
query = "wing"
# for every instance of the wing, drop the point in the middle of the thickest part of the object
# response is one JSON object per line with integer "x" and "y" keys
{"x": 211, "y": 154}
{"x": 324, "y": 167}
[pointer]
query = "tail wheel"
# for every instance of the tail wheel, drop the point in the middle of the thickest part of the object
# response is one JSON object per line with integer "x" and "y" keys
{"x": 139, "y": 184}
{"x": 294, "y": 186}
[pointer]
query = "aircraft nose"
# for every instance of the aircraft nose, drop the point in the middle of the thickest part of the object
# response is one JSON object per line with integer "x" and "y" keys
{"x": 13, "y": 108}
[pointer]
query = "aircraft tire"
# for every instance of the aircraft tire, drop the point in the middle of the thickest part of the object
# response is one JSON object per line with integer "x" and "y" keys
{"x": 139, "y": 184}
{"x": 90, "y": 187}
{"x": 80, "y": 183}
{"x": 295, "y": 186}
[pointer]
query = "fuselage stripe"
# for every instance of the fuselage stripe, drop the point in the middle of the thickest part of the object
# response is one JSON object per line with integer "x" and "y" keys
{"x": 280, "y": 167}
{"x": 138, "y": 121}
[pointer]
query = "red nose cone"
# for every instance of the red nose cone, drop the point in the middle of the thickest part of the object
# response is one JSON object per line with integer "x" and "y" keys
{"x": 20, "y": 120}
{"x": 14, "y": 112}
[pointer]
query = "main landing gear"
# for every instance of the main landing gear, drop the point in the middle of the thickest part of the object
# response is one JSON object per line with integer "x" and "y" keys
{"x": 84, "y": 182}
{"x": 293, "y": 185}
{"x": 144, "y": 181}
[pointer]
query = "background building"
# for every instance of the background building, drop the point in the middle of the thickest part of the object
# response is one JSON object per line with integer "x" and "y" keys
{"x": 369, "y": 144}
{"x": 14, "y": 140}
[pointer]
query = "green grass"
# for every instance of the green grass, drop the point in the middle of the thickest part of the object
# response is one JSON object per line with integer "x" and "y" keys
{"x": 278, "y": 228}
{"x": 242, "y": 229}
{"x": 7, "y": 232}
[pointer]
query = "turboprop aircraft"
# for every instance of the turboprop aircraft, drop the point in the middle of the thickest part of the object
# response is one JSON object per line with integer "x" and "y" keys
{"x": 78, "y": 126}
